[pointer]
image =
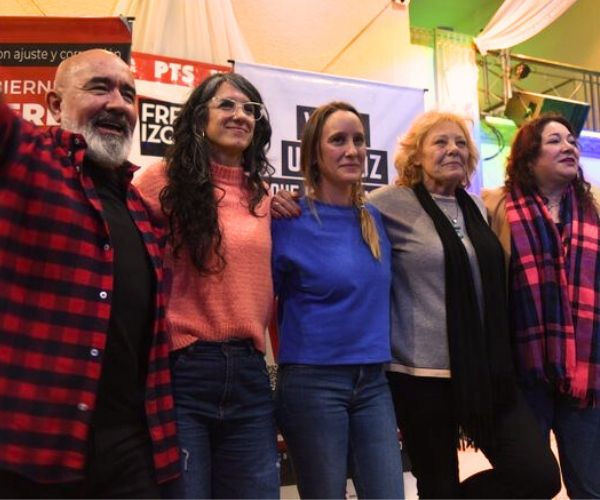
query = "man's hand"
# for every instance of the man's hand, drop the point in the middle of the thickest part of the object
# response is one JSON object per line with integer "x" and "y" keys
{"x": 284, "y": 205}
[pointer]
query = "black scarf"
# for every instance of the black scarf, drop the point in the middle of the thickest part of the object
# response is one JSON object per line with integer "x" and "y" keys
{"x": 482, "y": 379}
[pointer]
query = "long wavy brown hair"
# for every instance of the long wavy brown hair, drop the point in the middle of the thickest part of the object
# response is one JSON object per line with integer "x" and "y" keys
{"x": 525, "y": 150}
{"x": 189, "y": 200}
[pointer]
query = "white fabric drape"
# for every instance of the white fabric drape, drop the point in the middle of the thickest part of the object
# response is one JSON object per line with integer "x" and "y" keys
{"x": 456, "y": 77}
{"x": 518, "y": 20}
{"x": 456, "y": 74}
{"x": 199, "y": 30}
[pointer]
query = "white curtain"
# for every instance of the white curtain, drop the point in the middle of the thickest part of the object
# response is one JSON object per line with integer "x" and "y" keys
{"x": 199, "y": 30}
{"x": 518, "y": 20}
{"x": 456, "y": 76}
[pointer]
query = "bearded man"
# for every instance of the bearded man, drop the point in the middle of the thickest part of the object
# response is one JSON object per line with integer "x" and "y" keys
{"x": 85, "y": 404}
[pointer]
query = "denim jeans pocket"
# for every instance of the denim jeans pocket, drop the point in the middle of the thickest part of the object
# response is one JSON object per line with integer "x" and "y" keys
{"x": 196, "y": 349}
{"x": 177, "y": 357}
{"x": 261, "y": 364}
{"x": 296, "y": 387}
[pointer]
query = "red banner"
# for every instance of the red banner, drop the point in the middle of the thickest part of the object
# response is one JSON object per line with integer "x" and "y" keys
{"x": 172, "y": 70}
{"x": 32, "y": 47}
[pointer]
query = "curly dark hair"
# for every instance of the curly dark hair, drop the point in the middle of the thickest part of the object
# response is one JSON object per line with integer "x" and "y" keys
{"x": 189, "y": 200}
{"x": 525, "y": 150}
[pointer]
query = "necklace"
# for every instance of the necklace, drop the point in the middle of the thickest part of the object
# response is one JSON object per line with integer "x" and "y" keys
{"x": 453, "y": 219}
{"x": 552, "y": 201}
{"x": 553, "y": 208}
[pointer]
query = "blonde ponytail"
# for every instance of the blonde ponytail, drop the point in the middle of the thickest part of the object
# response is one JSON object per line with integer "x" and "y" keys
{"x": 368, "y": 228}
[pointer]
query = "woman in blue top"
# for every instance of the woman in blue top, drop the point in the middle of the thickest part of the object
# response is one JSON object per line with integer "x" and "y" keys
{"x": 331, "y": 268}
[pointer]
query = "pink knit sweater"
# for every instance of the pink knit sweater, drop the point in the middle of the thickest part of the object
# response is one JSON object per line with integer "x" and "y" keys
{"x": 237, "y": 302}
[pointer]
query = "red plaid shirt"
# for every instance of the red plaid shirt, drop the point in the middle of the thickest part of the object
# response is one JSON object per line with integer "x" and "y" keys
{"x": 56, "y": 285}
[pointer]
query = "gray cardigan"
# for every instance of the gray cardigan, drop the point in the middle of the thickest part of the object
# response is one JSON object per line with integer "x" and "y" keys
{"x": 418, "y": 335}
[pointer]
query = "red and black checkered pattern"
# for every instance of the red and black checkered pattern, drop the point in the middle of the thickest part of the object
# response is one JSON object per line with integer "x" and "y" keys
{"x": 56, "y": 285}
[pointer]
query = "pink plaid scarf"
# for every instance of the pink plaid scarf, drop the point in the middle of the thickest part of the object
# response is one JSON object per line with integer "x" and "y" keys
{"x": 555, "y": 299}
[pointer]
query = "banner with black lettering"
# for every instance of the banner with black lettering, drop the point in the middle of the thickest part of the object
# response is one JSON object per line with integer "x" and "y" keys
{"x": 32, "y": 47}
{"x": 163, "y": 84}
{"x": 290, "y": 97}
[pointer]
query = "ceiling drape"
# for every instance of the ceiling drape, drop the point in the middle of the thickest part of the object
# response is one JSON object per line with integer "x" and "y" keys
{"x": 518, "y": 20}
{"x": 199, "y": 30}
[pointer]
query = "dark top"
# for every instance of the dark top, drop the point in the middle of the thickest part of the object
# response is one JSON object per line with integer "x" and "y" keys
{"x": 125, "y": 364}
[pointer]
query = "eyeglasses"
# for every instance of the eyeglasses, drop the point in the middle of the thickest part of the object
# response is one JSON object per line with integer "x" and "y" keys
{"x": 254, "y": 110}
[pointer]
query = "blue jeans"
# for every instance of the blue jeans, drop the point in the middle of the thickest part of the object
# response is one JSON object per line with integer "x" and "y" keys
{"x": 577, "y": 432}
{"x": 335, "y": 418}
{"x": 226, "y": 424}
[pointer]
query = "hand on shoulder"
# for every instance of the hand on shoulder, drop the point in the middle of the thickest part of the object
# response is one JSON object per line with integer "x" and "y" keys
{"x": 284, "y": 205}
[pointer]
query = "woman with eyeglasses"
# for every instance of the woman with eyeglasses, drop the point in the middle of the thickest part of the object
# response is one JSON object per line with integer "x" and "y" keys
{"x": 210, "y": 193}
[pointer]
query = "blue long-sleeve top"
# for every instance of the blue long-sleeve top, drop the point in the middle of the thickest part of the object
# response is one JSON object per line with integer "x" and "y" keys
{"x": 334, "y": 296}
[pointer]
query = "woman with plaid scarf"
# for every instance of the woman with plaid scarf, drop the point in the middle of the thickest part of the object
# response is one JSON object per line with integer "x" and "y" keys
{"x": 547, "y": 220}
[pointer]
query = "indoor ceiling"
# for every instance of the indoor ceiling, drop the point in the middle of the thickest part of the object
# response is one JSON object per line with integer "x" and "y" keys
{"x": 573, "y": 39}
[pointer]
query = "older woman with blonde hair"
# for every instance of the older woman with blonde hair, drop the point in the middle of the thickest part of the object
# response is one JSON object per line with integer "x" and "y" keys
{"x": 451, "y": 374}
{"x": 547, "y": 219}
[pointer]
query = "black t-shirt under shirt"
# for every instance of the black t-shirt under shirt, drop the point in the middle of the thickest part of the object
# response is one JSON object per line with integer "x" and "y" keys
{"x": 122, "y": 386}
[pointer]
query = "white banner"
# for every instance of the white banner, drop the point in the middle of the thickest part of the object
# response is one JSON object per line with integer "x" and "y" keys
{"x": 290, "y": 97}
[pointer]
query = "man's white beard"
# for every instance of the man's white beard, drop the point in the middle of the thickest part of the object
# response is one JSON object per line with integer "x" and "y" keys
{"x": 106, "y": 150}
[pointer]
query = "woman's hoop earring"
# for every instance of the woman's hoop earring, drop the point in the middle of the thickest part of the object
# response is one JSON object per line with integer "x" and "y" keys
{"x": 200, "y": 135}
